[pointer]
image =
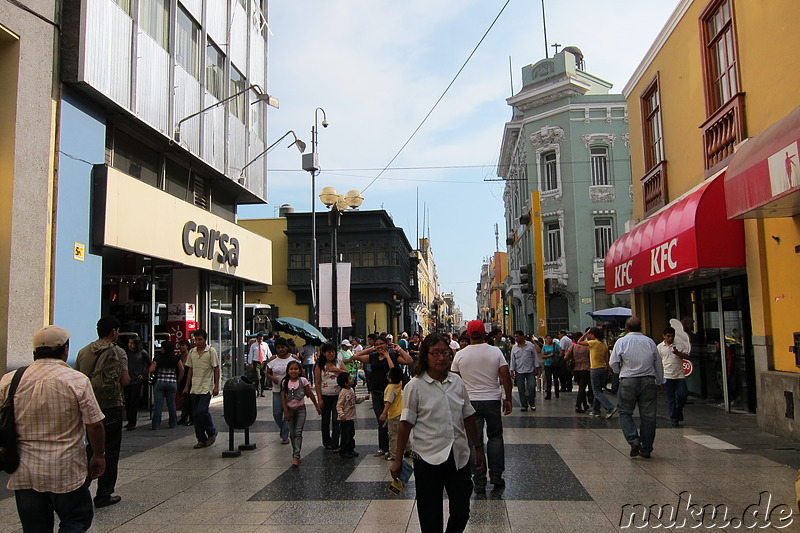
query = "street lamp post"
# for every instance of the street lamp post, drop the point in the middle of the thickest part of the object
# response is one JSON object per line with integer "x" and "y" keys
{"x": 311, "y": 164}
{"x": 337, "y": 204}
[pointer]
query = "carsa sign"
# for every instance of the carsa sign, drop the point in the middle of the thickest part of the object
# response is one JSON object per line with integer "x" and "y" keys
{"x": 687, "y": 367}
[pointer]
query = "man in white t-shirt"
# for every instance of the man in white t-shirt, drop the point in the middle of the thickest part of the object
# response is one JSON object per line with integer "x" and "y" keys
{"x": 484, "y": 370}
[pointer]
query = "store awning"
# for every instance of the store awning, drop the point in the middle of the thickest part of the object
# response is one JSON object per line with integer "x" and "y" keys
{"x": 763, "y": 179}
{"x": 689, "y": 234}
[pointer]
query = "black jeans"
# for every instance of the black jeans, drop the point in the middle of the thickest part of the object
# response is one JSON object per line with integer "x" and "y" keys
{"x": 489, "y": 414}
{"x": 430, "y": 481}
{"x": 74, "y": 510}
{"x": 113, "y": 426}
{"x": 133, "y": 394}
{"x": 550, "y": 372}
{"x": 582, "y": 401}
{"x": 348, "y": 429}
{"x": 330, "y": 418}
{"x": 383, "y": 431}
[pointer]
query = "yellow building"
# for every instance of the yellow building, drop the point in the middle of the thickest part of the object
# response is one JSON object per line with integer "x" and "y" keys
{"x": 714, "y": 236}
{"x": 498, "y": 271}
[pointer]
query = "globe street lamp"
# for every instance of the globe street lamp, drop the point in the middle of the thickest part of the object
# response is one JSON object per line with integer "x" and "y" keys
{"x": 311, "y": 164}
{"x": 338, "y": 204}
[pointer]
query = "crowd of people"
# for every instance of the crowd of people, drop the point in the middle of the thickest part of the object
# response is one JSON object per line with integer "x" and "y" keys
{"x": 418, "y": 386}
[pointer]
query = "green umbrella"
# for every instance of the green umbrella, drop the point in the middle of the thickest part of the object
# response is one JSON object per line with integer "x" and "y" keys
{"x": 301, "y": 328}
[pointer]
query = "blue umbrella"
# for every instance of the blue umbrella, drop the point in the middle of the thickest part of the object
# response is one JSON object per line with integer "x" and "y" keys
{"x": 619, "y": 314}
{"x": 301, "y": 328}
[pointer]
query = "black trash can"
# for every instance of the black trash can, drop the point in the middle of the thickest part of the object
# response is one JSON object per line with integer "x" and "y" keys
{"x": 239, "y": 402}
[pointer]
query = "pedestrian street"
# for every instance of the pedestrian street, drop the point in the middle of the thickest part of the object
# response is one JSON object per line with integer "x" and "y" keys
{"x": 565, "y": 472}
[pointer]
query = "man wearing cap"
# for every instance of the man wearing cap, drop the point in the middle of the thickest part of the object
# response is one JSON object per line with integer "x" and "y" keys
{"x": 346, "y": 355}
{"x": 106, "y": 365}
{"x": 484, "y": 370}
{"x": 54, "y": 410}
{"x": 257, "y": 357}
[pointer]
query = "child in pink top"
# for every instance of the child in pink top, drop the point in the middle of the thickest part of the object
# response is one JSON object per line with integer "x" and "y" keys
{"x": 294, "y": 389}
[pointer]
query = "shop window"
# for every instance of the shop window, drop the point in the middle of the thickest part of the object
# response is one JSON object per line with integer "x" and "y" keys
{"x": 603, "y": 236}
{"x": 187, "y": 43}
{"x": 238, "y": 105}
{"x": 553, "y": 249}
{"x": 215, "y": 70}
{"x": 154, "y": 20}
{"x": 135, "y": 158}
{"x": 549, "y": 171}
{"x": 598, "y": 155}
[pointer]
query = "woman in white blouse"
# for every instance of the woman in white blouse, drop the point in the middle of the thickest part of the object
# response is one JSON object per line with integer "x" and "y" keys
{"x": 434, "y": 399}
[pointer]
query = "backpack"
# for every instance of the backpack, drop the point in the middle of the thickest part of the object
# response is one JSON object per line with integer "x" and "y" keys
{"x": 9, "y": 454}
{"x": 104, "y": 375}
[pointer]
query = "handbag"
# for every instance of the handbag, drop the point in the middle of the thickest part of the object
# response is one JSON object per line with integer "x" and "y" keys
{"x": 9, "y": 453}
{"x": 152, "y": 377}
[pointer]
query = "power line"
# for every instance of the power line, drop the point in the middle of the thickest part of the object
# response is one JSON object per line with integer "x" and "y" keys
{"x": 440, "y": 98}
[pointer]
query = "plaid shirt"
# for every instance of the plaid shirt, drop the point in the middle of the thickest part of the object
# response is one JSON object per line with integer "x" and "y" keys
{"x": 52, "y": 406}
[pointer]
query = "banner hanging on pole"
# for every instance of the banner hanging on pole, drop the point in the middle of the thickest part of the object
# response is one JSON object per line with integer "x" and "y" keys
{"x": 344, "y": 318}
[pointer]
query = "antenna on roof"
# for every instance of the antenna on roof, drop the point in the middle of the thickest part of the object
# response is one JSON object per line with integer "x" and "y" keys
{"x": 544, "y": 25}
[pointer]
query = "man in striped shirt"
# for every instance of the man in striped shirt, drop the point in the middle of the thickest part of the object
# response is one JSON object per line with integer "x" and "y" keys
{"x": 54, "y": 409}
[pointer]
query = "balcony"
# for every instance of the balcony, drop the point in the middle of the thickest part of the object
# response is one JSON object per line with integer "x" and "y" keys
{"x": 654, "y": 189}
{"x": 722, "y": 131}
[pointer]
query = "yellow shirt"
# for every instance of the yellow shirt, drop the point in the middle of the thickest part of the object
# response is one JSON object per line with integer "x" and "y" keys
{"x": 598, "y": 352}
{"x": 393, "y": 394}
{"x": 203, "y": 365}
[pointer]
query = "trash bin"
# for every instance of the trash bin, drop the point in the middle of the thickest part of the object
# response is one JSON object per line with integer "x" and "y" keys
{"x": 239, "y": 402}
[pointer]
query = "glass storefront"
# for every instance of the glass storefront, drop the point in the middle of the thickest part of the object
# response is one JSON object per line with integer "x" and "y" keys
{"x": 220, "y": 332}
{"x": 718, "y": 374}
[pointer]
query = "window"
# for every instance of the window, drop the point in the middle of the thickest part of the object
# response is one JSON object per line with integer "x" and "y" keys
{"x": 134, "y": 158}
{"x": 154, "y": 20}
{"x": 238, "y": 106}
{"x": 598, "y": 155}
{"x": 549, "y": 171}
{"x": 215, "y": 70}
{"x": 603, "y": 236}
{"x": 125, "y": 5}
{"x": 187, "y": 43}
{"x": 653, "y": 136}
{"x": 720, "y": 53}
{"x": 553, "y": 238}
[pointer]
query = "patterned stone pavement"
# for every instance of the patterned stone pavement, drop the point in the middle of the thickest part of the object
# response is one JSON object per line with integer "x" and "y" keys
{"x": 565, "y": 472}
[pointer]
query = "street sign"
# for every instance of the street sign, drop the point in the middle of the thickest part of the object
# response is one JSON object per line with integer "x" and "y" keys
{"x": 79, "y": 252}
{"x": 687, "y": 367}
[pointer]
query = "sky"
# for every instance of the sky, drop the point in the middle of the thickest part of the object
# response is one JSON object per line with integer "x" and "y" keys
{"x": 377, "y": 67}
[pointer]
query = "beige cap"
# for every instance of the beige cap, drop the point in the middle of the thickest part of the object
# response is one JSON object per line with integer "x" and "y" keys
{"x": 50, "y": 337}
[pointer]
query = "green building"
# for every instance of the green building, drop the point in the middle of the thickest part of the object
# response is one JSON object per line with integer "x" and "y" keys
{"x": 568, "y": 141}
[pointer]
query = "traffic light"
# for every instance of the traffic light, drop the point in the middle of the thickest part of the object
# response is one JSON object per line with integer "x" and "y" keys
{"x": 505, "y": 310}
{"x": 526, "y": 278}
{"x": 398, "y": 307}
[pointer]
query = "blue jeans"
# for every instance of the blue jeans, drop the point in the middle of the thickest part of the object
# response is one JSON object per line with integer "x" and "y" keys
{"x": 308, "y": 370}
{"x": 203, "y": 425}
{"x": 74, "y": 510}
{"x": 526, "y": 386}
{"x": 489, "y": 413}
{"x": 164, "y": 390}
{"x": 296, "y": 424}
{"x": 599, "y": 377}
{"x": 642, "y": 392}
{"x": 277, "y": 415}
{"x": 677, "y": 393}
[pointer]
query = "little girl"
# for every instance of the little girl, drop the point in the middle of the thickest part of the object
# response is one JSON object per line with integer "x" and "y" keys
{"x": 294, "y": 390}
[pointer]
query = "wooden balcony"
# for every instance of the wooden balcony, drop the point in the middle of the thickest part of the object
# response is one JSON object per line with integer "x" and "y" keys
{"x": 654, "y": 189}
{"x": 723, "y": 130}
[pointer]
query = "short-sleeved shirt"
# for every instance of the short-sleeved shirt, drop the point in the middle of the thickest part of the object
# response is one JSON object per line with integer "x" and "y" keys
{"x": 393, "y": 395}
{"x": 597, "y": 353}
{"x": 307, "y": 354}
{"x": 479, "y": 366}
{"x": 203, "y": 365}
{"x": 278, "y": 367}
{"x": 52, "y": 406}
{"x": 433, "y": 407}
{"x": 672, "y": 362}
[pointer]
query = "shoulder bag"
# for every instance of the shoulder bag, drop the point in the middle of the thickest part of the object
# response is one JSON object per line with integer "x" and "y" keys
{"x": 9, "y": 453}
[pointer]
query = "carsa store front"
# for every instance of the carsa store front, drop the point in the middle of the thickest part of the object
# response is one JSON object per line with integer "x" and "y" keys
{"x": 687, "y": 261}
{"x": 170, "y": 267}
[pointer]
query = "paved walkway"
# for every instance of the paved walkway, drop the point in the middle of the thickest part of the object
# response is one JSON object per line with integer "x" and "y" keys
{"x": 565, "y": 472}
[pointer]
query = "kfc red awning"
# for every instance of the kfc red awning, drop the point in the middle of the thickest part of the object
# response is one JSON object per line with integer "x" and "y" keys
{"x": 690, "y": 234}
{"x": 763, "y": 179}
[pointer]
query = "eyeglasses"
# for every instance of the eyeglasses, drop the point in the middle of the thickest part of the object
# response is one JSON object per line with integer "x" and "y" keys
{"x": 443, "y": 353}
